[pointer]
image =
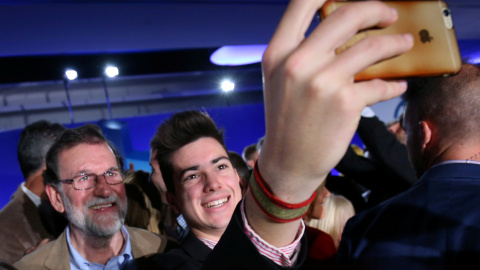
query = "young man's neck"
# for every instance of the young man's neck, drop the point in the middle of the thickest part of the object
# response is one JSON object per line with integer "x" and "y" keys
{"x": 212, "y": 235}
{"x": 96, "y": 249}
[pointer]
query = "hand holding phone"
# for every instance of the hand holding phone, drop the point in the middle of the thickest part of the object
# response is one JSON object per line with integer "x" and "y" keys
{"x": 435, "y": 50}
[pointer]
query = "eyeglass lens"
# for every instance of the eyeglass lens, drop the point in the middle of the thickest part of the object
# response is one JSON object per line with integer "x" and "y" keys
{"x": 86, "y": 181}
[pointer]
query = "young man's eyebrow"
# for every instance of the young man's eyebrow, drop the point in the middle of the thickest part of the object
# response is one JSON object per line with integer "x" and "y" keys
{"x": 192, "y": 168}
{"x": 218, "y": 159}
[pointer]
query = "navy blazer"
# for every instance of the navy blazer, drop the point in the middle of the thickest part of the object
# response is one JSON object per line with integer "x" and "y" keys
{"x": 234, "y": 251}
{"x": 190, "y": 256}
{"x": 433, "y": 225}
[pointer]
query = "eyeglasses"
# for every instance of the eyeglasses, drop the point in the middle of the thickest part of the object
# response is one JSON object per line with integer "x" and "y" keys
{"x": 86, "y": 181}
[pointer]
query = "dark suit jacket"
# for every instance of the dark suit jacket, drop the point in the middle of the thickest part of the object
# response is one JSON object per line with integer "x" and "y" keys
{"x": 236, "y": 251}
{"x": 190, "y": 256}
{"x": 433, "y": 225}
{"x": 20, "y": 227}
{"x": 55, "y": 255}
{"x": 388, "y": 171}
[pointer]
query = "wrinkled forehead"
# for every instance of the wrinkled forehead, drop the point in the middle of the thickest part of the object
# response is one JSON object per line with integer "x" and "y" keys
{"x": 87, "y": 157}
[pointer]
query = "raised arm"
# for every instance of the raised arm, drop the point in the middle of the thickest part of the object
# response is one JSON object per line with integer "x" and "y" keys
{"x": 312, "y": 103}
{"x": 386, "y": 149}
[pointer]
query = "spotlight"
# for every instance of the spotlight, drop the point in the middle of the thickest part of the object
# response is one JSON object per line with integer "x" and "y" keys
{"x": 111, "y": 71}
{"x": 228, "y": 86}
{"x": 71, "y": 74}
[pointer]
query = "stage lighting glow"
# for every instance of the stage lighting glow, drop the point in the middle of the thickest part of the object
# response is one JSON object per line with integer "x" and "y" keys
{"x": 112, "y": 124}
{"x": 71, "y": 74}
{"x": 228, "y": 86}
{"x": 111, "y": 71}
{"x": 238, "y": 55}
{"x": 475, "y": 59}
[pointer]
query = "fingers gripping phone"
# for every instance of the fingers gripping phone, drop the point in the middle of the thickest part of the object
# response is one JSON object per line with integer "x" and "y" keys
{"x": 435, "y": 50}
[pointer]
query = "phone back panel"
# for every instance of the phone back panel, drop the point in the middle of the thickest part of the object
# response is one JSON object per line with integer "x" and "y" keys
{"x": 435, "y": 50}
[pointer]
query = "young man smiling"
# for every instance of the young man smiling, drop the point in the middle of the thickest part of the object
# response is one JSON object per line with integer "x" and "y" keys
{"x": 201, "y": 183}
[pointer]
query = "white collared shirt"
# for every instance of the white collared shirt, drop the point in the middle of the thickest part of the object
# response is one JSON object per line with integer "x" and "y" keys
{"x": 35, "y": 199}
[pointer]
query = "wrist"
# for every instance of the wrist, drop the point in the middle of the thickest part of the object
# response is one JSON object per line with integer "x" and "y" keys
{"x": 272, "y": 206}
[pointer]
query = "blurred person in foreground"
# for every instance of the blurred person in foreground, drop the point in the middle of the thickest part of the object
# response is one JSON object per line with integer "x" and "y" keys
{"x": 435, "y": 224}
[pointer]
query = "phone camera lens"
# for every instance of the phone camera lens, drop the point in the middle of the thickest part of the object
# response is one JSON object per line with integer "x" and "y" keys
{"x": 446, "y": 12}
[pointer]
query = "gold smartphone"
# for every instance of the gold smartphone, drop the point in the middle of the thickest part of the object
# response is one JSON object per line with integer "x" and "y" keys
{"x": 435, "y": 50}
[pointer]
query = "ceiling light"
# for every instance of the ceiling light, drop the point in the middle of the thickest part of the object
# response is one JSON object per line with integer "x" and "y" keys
{"x": 71, "y": 74}
{"x": 111, "y": 71}
{"x": 228, "y": 86}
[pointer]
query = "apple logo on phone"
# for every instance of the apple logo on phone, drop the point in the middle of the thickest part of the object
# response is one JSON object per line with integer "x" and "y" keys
{"x": 425, "y": 36}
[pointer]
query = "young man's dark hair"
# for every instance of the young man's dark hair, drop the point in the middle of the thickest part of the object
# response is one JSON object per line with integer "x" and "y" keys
{"x": 35, "y": 140}
{"x": 181, "y": 129}
{"x": 89, "y": 133}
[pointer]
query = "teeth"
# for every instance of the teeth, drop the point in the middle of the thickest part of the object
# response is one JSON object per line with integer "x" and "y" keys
{"x": 95, "y": 207}
{"x": 217, "y": 203}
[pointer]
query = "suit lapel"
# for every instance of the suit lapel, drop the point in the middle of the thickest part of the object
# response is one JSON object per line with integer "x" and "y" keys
{"x": 195, "y": 248}
{"x": 58, "y": 257}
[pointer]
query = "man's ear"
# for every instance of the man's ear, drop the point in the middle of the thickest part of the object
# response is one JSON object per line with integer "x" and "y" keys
{"x": 427, "y": 133}
{"x": 240, "y": 180}
{"x": 171, "y": 199}
{"x": 55, "y": 198}
{"x": 238, "y": 176}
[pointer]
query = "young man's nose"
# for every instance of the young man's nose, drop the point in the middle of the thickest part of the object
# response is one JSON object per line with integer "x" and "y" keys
{"x": 212, "y": 182}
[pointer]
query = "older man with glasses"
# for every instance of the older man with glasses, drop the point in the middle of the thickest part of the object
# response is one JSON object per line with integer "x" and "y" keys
{"x": 84, "y": 179}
